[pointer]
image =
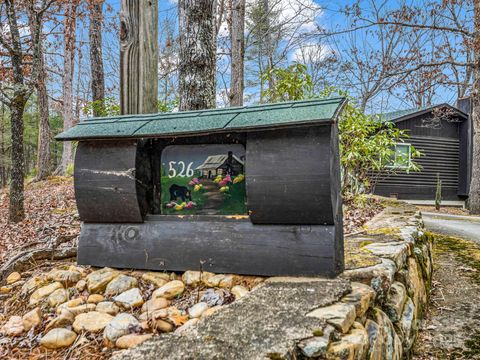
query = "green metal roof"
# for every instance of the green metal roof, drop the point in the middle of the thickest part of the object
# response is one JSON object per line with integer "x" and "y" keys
{"x": 399, "y": 115}
{"x": 207, "y": 121}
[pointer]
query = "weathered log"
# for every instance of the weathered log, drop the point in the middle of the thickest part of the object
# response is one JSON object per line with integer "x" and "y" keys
{"x": 138, "y": 56}
{"x": 23, "y": 260}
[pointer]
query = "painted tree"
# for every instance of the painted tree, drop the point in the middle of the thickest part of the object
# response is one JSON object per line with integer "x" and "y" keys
{"x": 197, "y": 64}
{"x": 20, "y": 71}
{"x": 96, "y": 59}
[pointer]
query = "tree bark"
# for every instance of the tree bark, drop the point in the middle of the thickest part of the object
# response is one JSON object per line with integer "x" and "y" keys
{"x": 43, "y": 147}
{"x": 17, "y": 103}
{"x": 197, "y": 69}
{"x": 268, "y": 42}
{"x": 96, "y": 58}
{"x": 16, "y": 207}
{"x": 237, "y": 36}
{"x": 70, "y": 23}
{"x": 474, "y": 195}
{"x": 138, "y": 56}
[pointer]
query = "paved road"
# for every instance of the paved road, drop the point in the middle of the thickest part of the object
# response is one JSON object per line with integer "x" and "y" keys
{"x": 466, "y": 227}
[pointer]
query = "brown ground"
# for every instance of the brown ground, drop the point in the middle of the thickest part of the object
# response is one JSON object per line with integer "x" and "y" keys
{"x": 51, "y": 217}
{"x": 452, "y": 326}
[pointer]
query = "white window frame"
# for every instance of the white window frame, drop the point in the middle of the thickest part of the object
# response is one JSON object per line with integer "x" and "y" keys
{"x": 395, "y": 166}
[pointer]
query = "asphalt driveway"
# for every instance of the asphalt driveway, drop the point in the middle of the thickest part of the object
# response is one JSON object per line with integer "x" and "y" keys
{"x": 466, "y": 227}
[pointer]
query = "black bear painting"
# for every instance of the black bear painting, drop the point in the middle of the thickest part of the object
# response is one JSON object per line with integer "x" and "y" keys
{"x": 203, "y": 180}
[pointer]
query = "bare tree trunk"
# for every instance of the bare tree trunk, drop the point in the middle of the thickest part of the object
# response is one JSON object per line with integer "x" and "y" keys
{"x": 43, "y": 147}
{"x": 96, "y": 59}
{"x": 16, "y": 209}
{"x": 268, "y": 42}
{"x": 237, "y": 36}
{"x": 474, "y": 195}
{"x": 68, "y": 70}
{"x": 197, "y": 70}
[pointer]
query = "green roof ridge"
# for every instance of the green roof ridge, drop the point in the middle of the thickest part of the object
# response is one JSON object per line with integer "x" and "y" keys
{"x": 207, "y": 121}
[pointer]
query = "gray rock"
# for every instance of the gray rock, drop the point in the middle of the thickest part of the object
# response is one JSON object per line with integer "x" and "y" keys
{"x": 362, "y": 297}
{"x": 396, "y": 251}
{"x": 353, "y": 345}
{"x": 58, "y": 338}
{"x": 376, "y": 339}
{"x": 107, "y": 307}
{"x": 379, "y": 277}
{"x": 316, "y": 346}
{"x": 408, "y": 325}
{"x": 130, "y": 299}
{"x": 120, "y": 284}
{"x": 339, "y": 315}
{"x": 397, "y": 295}
{"x": 58, "y": 297}
{"x": 122, "y": 324}
{"x": 197, "y": 310}
{"x": 98, "y": 280}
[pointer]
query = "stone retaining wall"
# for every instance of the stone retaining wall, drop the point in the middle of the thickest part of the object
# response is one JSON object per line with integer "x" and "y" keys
{"x": 372, "y": 311}
{"x": 390, "y": 269}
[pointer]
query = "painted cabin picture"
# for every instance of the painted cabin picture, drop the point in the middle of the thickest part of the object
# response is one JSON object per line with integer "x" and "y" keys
{"x": 203, "y": 180}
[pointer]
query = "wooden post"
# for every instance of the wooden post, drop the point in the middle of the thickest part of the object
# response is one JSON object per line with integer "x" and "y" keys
{"x": 138, "y": 56}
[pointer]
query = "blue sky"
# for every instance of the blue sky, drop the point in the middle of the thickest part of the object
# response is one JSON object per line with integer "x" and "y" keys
{"x": 330, "y": 17}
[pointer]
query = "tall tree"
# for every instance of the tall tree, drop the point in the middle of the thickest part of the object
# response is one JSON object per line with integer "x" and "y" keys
{"x": 18, "y": 83}
{"x": 474, "y": 195}
{"x": 44, "y": 135}
{"x": 69, "y": 46}
{"x": 197, "y": 65}
{"x": 96, "y": 58}
{"x": 237, "y": 35}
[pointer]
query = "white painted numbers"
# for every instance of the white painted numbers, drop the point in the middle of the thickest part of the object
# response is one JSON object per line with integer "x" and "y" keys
{"x": 186, "y": 171}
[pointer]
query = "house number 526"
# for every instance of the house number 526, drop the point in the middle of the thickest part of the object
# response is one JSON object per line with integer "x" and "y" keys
{"x": 186, "y": 170}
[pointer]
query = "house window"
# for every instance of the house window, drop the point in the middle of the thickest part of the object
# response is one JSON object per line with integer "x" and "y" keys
{"x": 401, "y": 157}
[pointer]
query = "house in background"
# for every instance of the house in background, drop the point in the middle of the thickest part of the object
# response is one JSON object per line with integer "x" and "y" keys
{"x": 221, "y": 165}
{"x": 443, "y": 134}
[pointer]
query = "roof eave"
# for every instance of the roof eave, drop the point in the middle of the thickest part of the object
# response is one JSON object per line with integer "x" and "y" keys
{"x": 426, "y": 111}
{"x": 319, "y": 122}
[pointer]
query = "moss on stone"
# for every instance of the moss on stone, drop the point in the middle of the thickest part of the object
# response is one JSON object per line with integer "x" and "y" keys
{"x": 472, "y": 345}
{"x": 317, "y": 332}
{"x": 384, "y": 231}
{"x": 365, "y": 243}
{"x": 275, "y": 356}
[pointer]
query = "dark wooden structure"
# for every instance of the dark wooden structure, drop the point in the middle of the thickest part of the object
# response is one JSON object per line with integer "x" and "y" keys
{"x": 443, "y": 134}
{"x": 292, "y": 179}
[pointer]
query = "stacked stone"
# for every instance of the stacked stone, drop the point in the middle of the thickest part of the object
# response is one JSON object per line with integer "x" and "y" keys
{"x": 120, "y": 306}
{"x": 391, "y": 271}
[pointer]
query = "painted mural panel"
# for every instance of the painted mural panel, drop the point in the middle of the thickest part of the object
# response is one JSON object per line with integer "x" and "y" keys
{"x": 203, "y": 180}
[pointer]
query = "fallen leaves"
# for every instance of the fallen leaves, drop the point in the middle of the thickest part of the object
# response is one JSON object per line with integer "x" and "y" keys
{"x": 51, "y": 217}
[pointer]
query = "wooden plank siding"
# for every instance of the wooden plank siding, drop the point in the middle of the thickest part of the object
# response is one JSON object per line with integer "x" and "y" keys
{"x": 440, "y": 157}
{"x": 444, "y": 142}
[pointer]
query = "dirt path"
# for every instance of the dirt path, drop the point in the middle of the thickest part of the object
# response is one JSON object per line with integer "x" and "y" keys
{"x": 214, "y": 198}
{"x": 451, "y": 329}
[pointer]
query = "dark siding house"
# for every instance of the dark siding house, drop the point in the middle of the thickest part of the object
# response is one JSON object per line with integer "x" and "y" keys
{"x": 443, "y": 135}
